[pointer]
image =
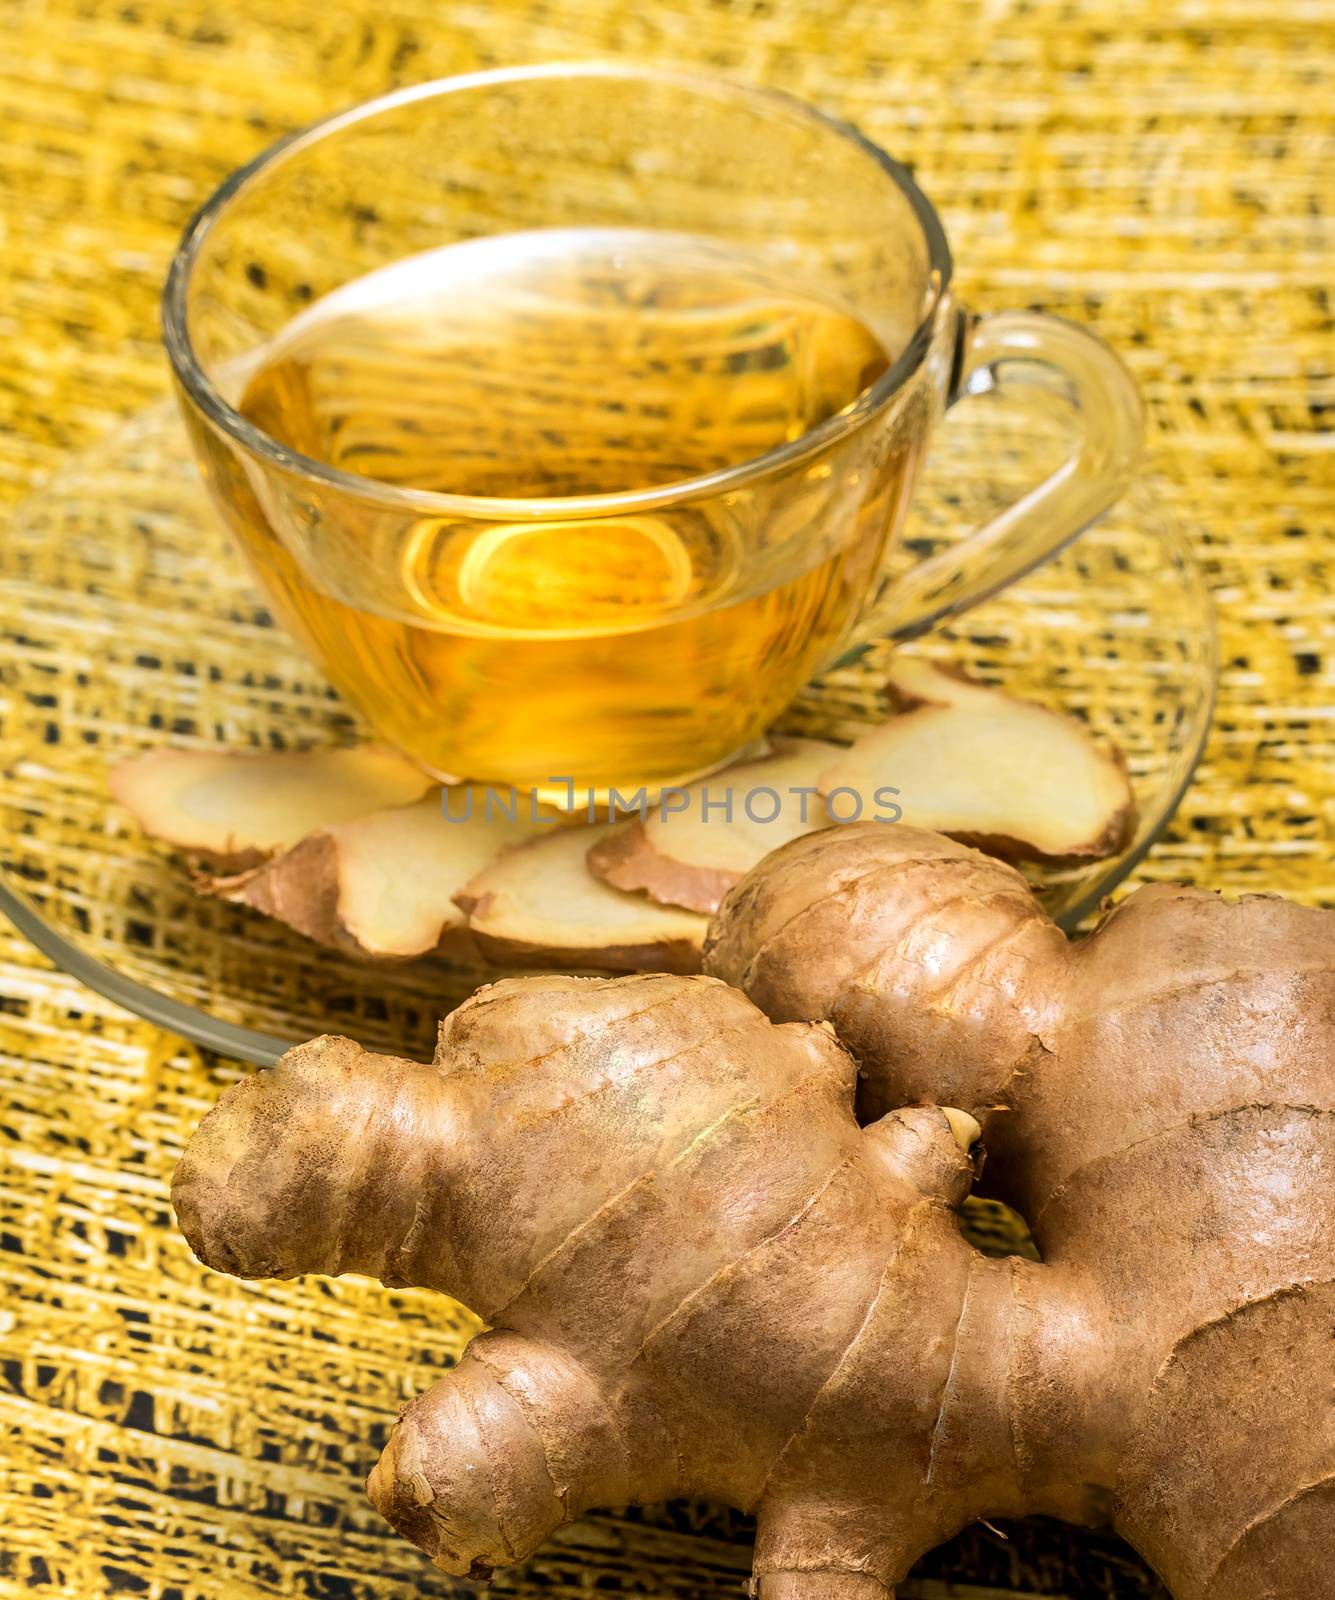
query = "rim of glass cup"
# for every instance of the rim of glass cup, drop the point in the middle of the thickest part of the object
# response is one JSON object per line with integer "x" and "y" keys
{"x": 224, "y": 417}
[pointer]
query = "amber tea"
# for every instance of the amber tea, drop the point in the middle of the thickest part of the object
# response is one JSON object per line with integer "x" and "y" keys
{"x": 524, "y": 644}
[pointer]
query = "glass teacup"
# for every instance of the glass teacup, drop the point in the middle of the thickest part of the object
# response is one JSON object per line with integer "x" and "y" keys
{"x": 566, "y": 414}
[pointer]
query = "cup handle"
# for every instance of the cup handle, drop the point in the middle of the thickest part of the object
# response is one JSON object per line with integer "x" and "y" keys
{"x": 995, "y": 351}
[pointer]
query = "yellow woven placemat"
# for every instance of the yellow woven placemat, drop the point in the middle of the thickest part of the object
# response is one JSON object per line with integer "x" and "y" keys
{"x": 1161, "y": 168}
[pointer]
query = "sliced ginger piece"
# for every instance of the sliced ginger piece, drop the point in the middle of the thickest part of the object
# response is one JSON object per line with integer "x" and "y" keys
{"x": 539, "y": 901}
{"x": 235, "y": 809}
{"x": 692, "y": 855}
{"x": 1011, "y": 777}
{"x": 383, "y": 885}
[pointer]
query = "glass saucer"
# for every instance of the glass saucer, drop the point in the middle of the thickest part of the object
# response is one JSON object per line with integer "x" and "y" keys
{"x": 127, "y": 621}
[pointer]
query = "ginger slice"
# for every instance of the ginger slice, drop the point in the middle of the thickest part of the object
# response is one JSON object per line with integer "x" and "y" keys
{"x": 383, "y": 885}
{"x": 690, "y": 855}
{"x": 235, "y": 809}
{"x": 540, "y": 901}
{"x": 1011, "y": 777}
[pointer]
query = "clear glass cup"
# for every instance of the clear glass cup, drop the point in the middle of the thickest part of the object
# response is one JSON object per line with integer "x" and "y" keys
{"x": 794, "y": 538}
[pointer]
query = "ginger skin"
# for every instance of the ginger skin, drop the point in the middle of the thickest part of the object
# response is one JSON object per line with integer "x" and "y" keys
{"x": 703, "y": 1276}
{"x": 1159, "y": 1101}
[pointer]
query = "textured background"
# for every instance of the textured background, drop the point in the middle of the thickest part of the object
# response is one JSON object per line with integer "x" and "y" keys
{"x": 1165, "y": 170}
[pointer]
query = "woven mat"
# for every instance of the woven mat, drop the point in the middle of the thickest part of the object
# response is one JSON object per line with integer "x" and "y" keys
{"x": 1159, "y": 169}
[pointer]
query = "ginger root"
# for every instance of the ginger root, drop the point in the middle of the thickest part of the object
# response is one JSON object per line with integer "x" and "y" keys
{"x": 704, "y": 1276}
{"x": 1159, "y": 1101}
